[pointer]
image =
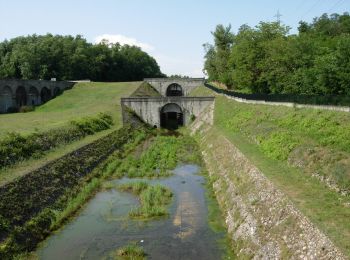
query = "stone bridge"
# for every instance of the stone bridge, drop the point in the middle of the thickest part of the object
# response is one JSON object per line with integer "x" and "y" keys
{"x": 158, "y": 111}
{"x": 173, "y": 109}
{"x": 17, "y": 93}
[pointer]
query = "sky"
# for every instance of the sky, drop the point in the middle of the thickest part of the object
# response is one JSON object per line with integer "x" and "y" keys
{"x": 172, "y": 31}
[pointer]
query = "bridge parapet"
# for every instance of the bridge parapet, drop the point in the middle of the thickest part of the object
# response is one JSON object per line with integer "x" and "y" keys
{"x": 187, "y": 84}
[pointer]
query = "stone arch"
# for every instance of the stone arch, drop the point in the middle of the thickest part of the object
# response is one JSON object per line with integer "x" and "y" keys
{"x": 21, "y": 96}
{"x": 6, "y": 99}
{"x": 174, "y": 89}
{"x": 33, "y": 96}
{"x": 171, "y": 116}
{"x": 56, "y": 92}
{"x": 45, "y": 95}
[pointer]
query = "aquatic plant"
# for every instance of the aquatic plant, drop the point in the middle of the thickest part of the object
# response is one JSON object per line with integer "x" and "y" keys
{"x": 153, "y": 199}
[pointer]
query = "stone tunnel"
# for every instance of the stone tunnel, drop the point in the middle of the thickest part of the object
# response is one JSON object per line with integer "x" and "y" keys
{"x": 173, "y": 109}
{"x": 16, "y": 93}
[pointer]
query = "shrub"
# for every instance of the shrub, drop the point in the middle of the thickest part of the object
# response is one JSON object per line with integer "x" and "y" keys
{"x": 25, "y": 109}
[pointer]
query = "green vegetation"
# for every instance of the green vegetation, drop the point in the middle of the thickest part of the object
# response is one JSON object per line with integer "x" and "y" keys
{"x": 68, "y": 58}
{"x": 130, "y": 252}
{"x": 145, "y": 90}
{"x": 267, "y": 59}
{"x": 8, "y": 174}
{"x": 84, "y": 99}
{"x": 153, "y": 199}
{"x": 292, "y": 162}
{"x": 15, "y": 147}
{"x": 162, "y": 155}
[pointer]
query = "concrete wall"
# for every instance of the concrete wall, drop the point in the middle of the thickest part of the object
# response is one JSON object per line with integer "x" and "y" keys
{"x": 161, "y": 84}
{"x": 33, "y": 92}
{"x": 149, "y": 109}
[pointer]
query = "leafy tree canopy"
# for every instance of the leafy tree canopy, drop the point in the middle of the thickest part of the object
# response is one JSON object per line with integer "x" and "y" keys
{"x": 268, "y": 59}
{"x": 73, "y": 58}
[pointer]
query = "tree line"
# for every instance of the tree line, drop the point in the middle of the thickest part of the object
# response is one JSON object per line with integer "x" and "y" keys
{"x": 73, "y": 58}
{"x": 268, "y": 59}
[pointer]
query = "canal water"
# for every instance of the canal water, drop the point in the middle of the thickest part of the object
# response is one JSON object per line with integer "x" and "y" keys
{"x": 104, "y": 226}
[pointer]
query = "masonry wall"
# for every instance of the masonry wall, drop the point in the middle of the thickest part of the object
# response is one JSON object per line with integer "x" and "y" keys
{"x": 149, "y": 109}
{"x": 36, "y": 92}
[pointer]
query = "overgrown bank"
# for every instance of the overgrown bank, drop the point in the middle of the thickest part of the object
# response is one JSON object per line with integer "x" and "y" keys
{"x": 262, "y": 221}
{"x": 34, "y": 205}
{"x": 292, "y": 148}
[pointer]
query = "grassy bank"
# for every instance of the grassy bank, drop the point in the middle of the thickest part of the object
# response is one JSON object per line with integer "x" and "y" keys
{"x": 84, "y": 99}
{"x": 302, "y": 151}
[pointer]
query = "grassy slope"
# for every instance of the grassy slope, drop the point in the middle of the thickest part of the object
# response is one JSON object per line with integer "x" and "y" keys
{"x": 242, "y": 124}
{"x": 84, "y": 99}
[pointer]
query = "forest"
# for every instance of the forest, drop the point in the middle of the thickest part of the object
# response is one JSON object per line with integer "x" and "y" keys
{"x": 268, "y": 59}
{"x": 73, "y": 58}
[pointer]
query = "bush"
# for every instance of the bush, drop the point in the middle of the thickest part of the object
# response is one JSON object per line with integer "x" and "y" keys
{"x": 25, "y": 109}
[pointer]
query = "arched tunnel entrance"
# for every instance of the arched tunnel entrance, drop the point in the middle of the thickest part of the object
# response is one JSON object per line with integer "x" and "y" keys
{"x": 174, "y": 90}
{"x": 171, "y": 116}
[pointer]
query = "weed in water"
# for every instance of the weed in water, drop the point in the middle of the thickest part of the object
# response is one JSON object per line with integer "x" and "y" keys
{"x": 131, "y": 251}
{"x": 153, "y": 199}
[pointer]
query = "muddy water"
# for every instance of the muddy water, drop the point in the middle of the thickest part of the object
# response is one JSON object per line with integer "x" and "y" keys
{"x": 104, "y": 226}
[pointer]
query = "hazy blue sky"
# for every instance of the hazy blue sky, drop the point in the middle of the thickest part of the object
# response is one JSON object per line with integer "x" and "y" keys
{"x": 173, "y": 31}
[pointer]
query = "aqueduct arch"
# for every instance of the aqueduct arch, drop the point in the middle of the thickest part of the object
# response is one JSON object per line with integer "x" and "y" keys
{"x": 174, "y": 90}
{"x": 15, "y": 93}
{"x": 171, "y": 116}
{"x": 33, "y": 96}
{"x": 45, "y": 94}
{"x": 6, "y": 99}
{"x": 21, "y": 96}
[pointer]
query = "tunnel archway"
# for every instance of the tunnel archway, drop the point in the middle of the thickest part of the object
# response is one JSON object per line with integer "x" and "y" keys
{"x": 33, "y": 96}
{"x": 45, "y": 95}
{"x": 6, "y": 101}
{"x": 21, "y": 96}
{"x": 174, "y": 90}
{"x": 171, "y": 116}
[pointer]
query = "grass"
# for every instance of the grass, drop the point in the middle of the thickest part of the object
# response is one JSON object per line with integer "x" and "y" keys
{"x": 160, "y": 157}
{"x": 315, "y": 141}
{"x": 131, "y": 251}
{"x": 270, "y": 136}
{"x": 153, "y": 199}
{"x": 84, "y": 99}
